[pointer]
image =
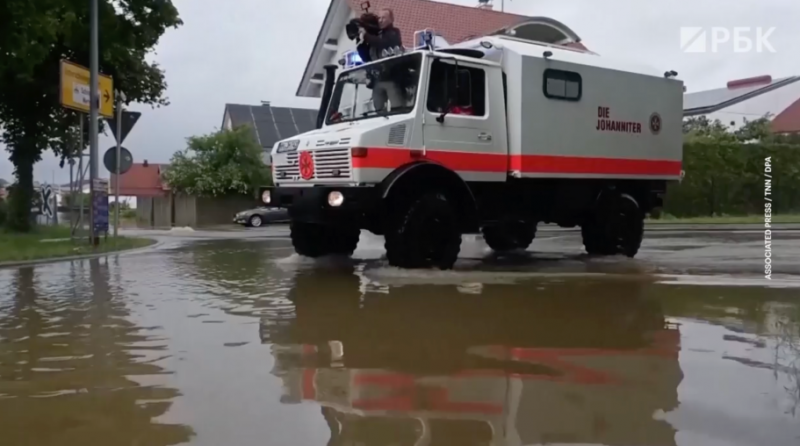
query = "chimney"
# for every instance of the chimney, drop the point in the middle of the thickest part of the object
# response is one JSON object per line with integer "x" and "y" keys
{"x": 265, "y": 103}
{"x": 145, "y": 163}
{"x": 485, "y": 4}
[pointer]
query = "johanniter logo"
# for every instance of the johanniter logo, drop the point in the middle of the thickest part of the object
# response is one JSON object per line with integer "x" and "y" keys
{"x": 741, "y": 39}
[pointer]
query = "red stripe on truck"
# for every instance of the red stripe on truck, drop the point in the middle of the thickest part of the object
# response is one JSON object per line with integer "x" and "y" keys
{"x": 387, "y": 158}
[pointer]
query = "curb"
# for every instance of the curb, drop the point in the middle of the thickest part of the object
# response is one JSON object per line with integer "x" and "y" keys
{"x": 17, "y": 264}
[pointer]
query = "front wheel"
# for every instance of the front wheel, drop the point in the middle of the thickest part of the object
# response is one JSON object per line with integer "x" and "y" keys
{"x": 616, "y": 226}
{"x": 315, "y": 240}
{"x": 424, "y": 234}
{"x": 256, "y": 221}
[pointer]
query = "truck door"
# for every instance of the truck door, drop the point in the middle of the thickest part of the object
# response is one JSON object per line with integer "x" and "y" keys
{"x": 464, "y": 129}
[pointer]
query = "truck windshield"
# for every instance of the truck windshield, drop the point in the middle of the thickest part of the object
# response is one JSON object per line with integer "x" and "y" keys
{"x": 386, "y": 88}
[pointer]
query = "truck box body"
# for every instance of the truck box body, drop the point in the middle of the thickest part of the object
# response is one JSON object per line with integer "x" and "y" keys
{"x": 568, "y": 138}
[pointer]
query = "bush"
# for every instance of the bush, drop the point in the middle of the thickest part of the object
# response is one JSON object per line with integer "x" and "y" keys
{"x": 728, "y": 178}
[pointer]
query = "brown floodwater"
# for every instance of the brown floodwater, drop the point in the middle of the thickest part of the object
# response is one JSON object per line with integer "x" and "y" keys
{"x": 227, "y": 343}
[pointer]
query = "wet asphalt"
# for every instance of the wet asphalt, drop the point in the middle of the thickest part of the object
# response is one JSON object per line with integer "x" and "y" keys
{"x": 229, "y": 338}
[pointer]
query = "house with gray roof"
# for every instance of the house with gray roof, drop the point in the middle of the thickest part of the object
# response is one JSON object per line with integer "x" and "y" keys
{"x": 269, "y": 124}
{"x": 750, "y": 99}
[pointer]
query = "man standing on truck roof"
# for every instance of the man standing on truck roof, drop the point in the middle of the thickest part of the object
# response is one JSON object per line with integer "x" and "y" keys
{"x": 387, "y": 42}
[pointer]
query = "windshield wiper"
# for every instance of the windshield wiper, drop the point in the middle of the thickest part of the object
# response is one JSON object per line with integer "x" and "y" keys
{"x": 384, "y": 113}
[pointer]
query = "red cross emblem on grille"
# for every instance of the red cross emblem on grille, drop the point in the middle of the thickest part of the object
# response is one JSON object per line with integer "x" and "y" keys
{"x": 655, "y": 123}
{"x": 306, "y": 165}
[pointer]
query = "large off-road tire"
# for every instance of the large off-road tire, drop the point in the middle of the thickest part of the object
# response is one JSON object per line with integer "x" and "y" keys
{"x": 616, "y": 226}
{"x": 315, "y": 240}
{"x": 509, "y": 236}
{"x": 424, "y": 233}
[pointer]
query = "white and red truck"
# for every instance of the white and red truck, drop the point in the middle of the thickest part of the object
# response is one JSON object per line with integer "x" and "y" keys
{"x": 492, "y": 136}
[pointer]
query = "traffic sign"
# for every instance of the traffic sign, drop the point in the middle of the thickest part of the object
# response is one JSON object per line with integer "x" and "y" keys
{"x": 129, "y": 119}
{"x": 125, "y": 162}
{"x": 47, "y": 196}
{"x": 74, "y": 86}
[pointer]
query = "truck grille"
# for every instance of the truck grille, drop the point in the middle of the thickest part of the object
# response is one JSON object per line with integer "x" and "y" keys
{"x": 288, "y": 170}
{"x": 332, "y": 163}
{"x": 328, "y": 164}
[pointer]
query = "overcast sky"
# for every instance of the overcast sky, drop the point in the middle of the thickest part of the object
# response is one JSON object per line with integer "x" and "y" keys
{"x": 246, "y": 51}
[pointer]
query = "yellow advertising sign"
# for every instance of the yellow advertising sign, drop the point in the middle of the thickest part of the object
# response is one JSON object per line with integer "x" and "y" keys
{"x": 75, "y": 89}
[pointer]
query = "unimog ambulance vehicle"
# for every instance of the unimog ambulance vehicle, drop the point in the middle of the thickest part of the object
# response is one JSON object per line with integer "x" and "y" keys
{"x": 490, "y": 136}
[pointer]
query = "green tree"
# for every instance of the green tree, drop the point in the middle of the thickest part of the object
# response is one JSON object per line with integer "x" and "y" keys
{"x": 220, "y": 163}
{"x": 35, "y": 35}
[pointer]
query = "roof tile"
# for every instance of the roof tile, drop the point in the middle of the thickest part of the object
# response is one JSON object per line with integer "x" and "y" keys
{"x": 140, "y": 181}
{"x": 455, "y": 23}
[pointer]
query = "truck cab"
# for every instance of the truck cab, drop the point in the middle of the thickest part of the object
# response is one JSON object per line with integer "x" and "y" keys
{"x": 492, "y": 136}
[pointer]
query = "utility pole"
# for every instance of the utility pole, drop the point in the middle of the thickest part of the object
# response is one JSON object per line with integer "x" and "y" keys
{"x": 94, "y": 109}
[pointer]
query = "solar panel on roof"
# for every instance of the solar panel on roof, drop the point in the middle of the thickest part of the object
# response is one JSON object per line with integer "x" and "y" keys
{"x": 287, "y": 129}
{"x": 282, "y": 115}
{"x": 268, "y": 135}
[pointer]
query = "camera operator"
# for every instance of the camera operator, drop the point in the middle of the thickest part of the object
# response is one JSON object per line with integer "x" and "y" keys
{"x": 386, "y": 42}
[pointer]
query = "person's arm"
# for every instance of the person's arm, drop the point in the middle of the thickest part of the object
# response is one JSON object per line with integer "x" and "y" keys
{"x": 371, "y": 39}
{"x": 392, "y": 38}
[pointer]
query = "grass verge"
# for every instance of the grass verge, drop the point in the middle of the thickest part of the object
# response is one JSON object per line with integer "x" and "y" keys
{"x": 725, "y": 219}
{"x": 54, "y": 242}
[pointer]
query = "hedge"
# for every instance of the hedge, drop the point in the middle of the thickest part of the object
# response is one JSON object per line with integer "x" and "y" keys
{"x": 729, "y": 179}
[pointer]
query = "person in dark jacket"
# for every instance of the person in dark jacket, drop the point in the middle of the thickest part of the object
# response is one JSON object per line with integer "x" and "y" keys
{"x": 387, "y": 42}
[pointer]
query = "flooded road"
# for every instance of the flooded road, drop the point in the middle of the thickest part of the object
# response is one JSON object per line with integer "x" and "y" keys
{"x": 241, "y": 342}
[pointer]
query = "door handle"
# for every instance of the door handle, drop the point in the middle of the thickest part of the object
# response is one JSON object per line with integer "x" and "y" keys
{"x": 483, "y": 136}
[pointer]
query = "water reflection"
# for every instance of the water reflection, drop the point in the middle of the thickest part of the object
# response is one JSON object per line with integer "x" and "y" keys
{"x": 73, "y": 368}
{"x": 545, "y": 362}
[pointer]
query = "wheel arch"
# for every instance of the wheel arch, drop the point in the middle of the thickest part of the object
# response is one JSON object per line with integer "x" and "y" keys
{"x": 415, "y": 178}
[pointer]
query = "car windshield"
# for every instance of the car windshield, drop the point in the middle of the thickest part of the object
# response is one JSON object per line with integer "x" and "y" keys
{"x": 386, "y": 88}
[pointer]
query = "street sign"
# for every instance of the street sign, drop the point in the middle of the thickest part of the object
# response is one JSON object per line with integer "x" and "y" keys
{"x": 129, "y": 119}
{"x": 47, "y": 197}
{"x": 125, "y": 162}
{"x": 75, "y": 93}
{"x": 100, "y": 205}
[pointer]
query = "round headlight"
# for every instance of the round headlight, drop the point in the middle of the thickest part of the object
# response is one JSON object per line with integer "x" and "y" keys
{"x": 335, "y": 199}
{"x": 266, "y": 197}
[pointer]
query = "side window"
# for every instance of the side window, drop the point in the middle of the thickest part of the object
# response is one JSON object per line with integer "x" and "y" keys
{"x": 564, "y": 85}
{"x": 463, "y": 92}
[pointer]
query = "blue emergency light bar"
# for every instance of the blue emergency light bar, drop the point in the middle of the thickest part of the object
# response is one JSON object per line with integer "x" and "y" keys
{"x": 424, "y": 38}
{"x": 352, "y": 59}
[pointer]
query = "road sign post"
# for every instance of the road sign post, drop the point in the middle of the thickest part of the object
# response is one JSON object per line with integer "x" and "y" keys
{"x": 87, "y": 91}
{"x": 122, "y": 159}
{"x": 116, "y": 169}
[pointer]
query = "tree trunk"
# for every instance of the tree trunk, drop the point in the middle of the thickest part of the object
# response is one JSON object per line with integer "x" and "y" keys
{"x": 19, "y": 213}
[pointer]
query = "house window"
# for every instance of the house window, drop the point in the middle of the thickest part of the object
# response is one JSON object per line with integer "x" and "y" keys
{"x": 463, "y": 94}
{"x": 564, "y": 85}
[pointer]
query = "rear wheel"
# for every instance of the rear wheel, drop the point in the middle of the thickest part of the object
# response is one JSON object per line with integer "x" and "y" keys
{"x": 509, "y": 236}
{"x": 315, "y": 240}
{"x": 424, "y": 233}
{"x": 615, "y": 227}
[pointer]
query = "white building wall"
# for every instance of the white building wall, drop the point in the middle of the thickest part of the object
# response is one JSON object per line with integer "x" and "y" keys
{"x": 773, "y": 102}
